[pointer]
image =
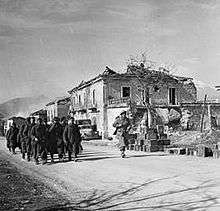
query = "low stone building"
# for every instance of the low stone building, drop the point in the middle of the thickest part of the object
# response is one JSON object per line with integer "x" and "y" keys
{"x": 42, "y": 113}
{"x": 138, "y": 90}
{"x": 57, "y": 108}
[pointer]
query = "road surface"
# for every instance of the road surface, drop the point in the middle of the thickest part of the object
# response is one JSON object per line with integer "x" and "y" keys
{"x": 101, "y": 180}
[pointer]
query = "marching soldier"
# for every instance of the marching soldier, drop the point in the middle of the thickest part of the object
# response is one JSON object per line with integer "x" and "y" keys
{"x": 47, "y": 134}
{"x": 56, "y": 144}
{"x": 33, "y": 123}
{"x": 11, "y": 137}
{"x": 72, "y": 139}
{"x": 21, "y": 140}
{"x": 19, "y": 137}
{"x": 122, "y": 125}
{"x": 38, "y": 135}
{"x": 64, "y": 123}
{"x": 26, "y": 144}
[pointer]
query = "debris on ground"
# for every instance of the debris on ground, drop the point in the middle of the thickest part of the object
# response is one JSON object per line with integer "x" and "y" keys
{"x": 193, "y": 138}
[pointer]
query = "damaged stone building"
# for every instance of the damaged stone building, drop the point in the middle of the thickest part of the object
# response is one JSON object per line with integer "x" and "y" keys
{"x": 139, "y": 90}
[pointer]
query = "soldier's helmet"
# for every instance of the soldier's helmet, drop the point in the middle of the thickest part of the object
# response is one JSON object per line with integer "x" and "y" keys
{"x": 123, "y": 112}
{"x": 63, "y": 119}
{"x": 56, "y": 119}
{"x": 28, "y": 119}
{"x": 40, "y": 120}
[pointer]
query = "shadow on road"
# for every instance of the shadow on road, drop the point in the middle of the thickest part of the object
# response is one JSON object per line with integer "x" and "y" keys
{"x": 102, "y": 156}
{"x": 129, "y": 199}
{"x": 147, "y": 155}
{"x": 86, "y": 157}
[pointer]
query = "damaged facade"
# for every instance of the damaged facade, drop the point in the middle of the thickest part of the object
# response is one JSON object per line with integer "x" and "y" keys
{"x": 139, "y": 90}
{"x": 58, "y": 108}
{"x": 192, "y": 116}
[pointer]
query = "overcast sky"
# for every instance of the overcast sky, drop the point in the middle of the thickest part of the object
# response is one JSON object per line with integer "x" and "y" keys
{"x": 49, "y": 46}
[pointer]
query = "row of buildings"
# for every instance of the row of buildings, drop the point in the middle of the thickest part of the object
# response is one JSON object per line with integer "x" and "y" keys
{"x": 155, "y": 95}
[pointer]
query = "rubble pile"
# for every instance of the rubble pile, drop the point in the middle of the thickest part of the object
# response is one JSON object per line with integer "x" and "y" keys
{"x": 193, "y": 138}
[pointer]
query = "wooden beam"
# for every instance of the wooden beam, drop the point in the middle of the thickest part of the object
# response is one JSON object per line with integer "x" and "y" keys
{"x": 203, "y": 113}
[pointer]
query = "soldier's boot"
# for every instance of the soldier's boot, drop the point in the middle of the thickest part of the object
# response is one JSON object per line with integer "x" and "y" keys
{"x": 36, "y": 161}
{"x": 123, "y": 154}
{"x": 61, "y": 157}
{"x": 23, "y": 155}
{"x": 69, "y": 156}
{"x": 75, "y": 158}
{"x": 28, "y": 158}
{"x": 52, "y": 159}
{"x": 64, "y": 157}
{"x": 44, "y": 162}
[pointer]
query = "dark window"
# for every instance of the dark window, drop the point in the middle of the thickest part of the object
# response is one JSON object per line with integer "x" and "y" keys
{"x": 172, "y": 96}
{"x": 126, "y": 91}
{"x": 93, "y": 97}
{"x": 84, "y": 98}
{"x": 79, "y": 99}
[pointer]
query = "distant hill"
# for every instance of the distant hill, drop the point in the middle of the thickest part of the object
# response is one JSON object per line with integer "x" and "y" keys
{"x": 22, "y": 106}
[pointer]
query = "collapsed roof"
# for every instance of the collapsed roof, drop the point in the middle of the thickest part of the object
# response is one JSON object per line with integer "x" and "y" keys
{"x": 140, "y": 72}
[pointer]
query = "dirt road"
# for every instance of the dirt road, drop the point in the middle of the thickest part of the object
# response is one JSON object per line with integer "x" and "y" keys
{"x": 101, "y": 180}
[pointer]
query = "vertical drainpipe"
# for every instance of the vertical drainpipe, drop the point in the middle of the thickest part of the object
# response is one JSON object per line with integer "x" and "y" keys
{"x": 209, "y": 117}
{"x": 149, "y": 117}
{"x": 105, "y": 116}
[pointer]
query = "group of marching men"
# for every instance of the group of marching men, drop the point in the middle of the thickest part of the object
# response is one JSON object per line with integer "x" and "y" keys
{"x": 38, "y": 139}
{"x": 62, "y": 137}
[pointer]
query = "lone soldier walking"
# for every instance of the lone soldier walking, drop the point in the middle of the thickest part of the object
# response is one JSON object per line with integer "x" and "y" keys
{"x": 38, "y": 135}
{"x": 11, "y": 137}
{"x": 56, "y": 144}
{"x": 72, "y": 139}
{"x": 122, "y": 125}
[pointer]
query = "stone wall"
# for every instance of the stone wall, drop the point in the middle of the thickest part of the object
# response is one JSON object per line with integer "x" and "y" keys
{"x": 114, "y": 89}
{"x": 192, "y": 116}
{"x": 188, "y": 92}
{"x": 185, "y": 93}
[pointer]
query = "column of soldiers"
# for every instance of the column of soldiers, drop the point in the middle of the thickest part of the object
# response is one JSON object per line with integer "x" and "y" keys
{"x": 37, "y": 140}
